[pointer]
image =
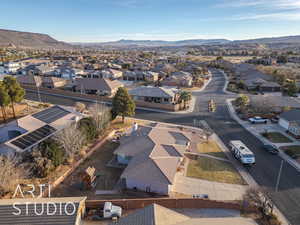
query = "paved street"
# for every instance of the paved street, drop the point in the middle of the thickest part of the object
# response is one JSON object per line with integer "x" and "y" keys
{"x": 267, "y": 166}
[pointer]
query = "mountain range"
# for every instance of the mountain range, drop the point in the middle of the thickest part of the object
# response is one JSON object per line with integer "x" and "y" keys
{"x": 11, "y": 38}
{"x": 44, "y": 41}
{"x": 192, "y": 42}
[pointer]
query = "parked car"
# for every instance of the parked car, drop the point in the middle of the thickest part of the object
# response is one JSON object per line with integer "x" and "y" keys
{"x": 257, "y": 119}
{"x": 271, "y": 149}
{"x": 275, "y": 119}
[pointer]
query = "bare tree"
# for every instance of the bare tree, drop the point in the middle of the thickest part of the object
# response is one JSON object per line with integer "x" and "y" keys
{"x": 258, "y": 197}
{"x": 80, "y": 107}
{"x": 10, "y": 174}
{"x": 71, "y": 140}
{"x": 101, "y": 115}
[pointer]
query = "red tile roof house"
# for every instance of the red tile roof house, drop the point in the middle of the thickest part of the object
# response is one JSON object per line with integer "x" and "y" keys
{"x": 153, "y": 156}
{"x": 98, "y": 86}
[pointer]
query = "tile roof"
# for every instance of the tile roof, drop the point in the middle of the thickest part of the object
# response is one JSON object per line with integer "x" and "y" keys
{"x": 155, "y": 152}
{"x": 150, "y": 91}
{"x": 97, "y": 84}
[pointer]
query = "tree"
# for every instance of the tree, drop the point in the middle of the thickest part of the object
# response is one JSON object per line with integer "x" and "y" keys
{"x": 4, "y": 100}
{"x": 71, "y": 140}
{"x": 10, "y": 173}
{"x": 88, "y": 127}
{"x": 219, "y": 58}
{"x": 15, "y": 91}
{"x": 51, "y": 150}
{"x": 101, "y": 116}
{"x": 292, "y": 88}
{"x": 185, "y": 96}
{"x": 122, "y": 104}
{"x": 80, "y": 107}
{"x": 242, "y": 101}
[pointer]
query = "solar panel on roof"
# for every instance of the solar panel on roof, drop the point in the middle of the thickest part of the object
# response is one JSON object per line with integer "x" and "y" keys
{"x": 33, "y": 137}
{"x": 51, "y": 114}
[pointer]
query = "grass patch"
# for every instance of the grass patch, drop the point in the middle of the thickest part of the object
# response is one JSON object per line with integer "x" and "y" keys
{"x": 214, "y": 170}
{"x": 211, "y": 148}
{"x": 293, "y": 151}
{"x": 276, "y": 137}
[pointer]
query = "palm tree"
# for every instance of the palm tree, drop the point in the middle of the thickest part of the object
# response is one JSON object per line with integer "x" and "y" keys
{"x": 4, "y": 100}
{"x": 185, "y": 96}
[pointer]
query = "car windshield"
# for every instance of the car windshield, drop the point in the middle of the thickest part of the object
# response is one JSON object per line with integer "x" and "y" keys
{"x": 248, "y": 156}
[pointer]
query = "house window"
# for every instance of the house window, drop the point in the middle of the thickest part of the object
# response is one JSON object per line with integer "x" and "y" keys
{"x": 166, "y": 99}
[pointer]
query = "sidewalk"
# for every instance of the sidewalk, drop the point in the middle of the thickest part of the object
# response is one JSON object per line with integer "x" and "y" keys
{"x": 257, "y": 129}
{"x": 226, "y": 84}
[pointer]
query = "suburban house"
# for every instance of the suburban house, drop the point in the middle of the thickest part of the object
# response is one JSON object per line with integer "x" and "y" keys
{"x": 155, "y": 214}
{"x": 12, "y": 67}
{"x": 262, "y": 85}
{"x": 180, "y": 79}
{"x": 153, "y": 155}
{"x": 290, "y": 121}
{"x": 27, "y": 132}
{"x": 111, "y": 74}
{"x": 163, "y": 95}
{"x": 140, "y": 76}
{"x": 38, "y": 81}
{"x": 97, "y": 86}
{"x": 41, "y": 211}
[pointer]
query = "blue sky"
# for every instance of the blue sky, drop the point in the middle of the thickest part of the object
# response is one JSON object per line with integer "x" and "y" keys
{"x": 106, "y": 20}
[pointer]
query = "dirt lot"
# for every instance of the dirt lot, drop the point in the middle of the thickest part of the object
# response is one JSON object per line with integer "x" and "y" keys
{"x": 107, "y": 179}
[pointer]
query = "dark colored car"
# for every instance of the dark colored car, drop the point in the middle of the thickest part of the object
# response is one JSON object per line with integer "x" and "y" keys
{"x": 271, "y": 149}
{"x": 275, "y": 119}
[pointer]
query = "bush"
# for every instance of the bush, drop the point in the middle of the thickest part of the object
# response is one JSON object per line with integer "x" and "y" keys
{"x": 88, "y": 127}
{"x": 41, "y": 166}
{"x": 51, "y": 150}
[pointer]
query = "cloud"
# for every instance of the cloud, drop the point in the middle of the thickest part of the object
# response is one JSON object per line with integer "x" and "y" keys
{"x": 290, "y": 16}
{"x": 273, "y": 4}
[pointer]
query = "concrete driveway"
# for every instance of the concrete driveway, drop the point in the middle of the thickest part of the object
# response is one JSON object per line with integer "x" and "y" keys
{"x": 214, "y": 190}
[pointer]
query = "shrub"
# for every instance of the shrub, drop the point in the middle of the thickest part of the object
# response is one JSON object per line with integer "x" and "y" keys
{"x": 51, "y": 150}
{"x": 88, "y": 127}
{"x": 41, "y": 166}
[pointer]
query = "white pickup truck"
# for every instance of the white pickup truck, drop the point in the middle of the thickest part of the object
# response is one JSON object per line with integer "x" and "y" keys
{"x": 257, "y": 119}
{"x": 110, "y": 210}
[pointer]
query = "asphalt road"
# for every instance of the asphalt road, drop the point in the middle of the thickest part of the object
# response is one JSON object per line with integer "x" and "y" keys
{"x": 265, "y": 172}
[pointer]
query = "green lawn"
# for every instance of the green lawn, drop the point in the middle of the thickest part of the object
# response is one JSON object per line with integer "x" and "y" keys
{"x": 211, "y": 148}
{"x": 293, "y": 151}
{"x": 214, "y": 170}
{"x": 276, "y": 137}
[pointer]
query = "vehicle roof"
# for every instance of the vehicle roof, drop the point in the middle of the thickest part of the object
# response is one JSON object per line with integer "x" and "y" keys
{"x": 241, "y": 146}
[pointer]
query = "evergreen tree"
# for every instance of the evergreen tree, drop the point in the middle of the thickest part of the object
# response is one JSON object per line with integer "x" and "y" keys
{"x": 4, "y": 100}
{"x": 122, "y": 104}
{"x": 15, "y": 91}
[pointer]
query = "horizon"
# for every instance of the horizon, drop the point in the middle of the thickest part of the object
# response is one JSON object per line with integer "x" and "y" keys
{"x": 112, "y": 20}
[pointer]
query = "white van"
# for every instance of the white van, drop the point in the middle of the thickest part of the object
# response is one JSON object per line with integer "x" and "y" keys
{"x": 242, "y": 152}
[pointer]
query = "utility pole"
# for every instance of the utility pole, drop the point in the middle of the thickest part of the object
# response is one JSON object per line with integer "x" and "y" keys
{"x": 38, "y": 92}
{"x": 279, "y": 175}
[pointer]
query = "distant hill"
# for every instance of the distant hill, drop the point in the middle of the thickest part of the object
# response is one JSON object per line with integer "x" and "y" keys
{"x": 30, "y": 40}
{"x": 153, "y": 43}
{"x": 273, "y": 40}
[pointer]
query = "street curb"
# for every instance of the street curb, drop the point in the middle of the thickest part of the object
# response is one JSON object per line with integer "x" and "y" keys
{"x": 226, "y": 84}
{"x": 285, "y": 157}
{"x": 281, "y": 217}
